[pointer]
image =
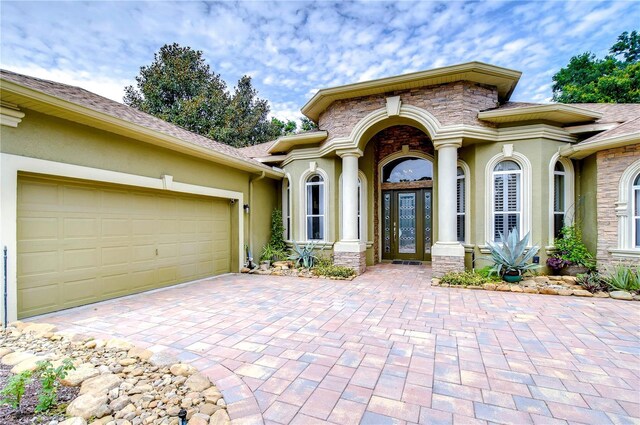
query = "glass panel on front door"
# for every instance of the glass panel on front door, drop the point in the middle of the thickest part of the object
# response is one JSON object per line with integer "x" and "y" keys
{"x": 407, "y": 223}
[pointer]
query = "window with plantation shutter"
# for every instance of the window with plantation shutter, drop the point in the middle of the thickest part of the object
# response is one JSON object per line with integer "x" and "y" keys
{"x": 315, "y": 207}
{"x": 460, "y": 206}
{"x": 507, "y": 198}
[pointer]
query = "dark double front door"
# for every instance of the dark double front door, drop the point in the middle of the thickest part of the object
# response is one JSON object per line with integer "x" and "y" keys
{"x": 407, "y": 224}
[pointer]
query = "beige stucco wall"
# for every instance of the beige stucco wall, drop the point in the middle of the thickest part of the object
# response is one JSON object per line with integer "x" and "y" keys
{"x": 45, "y": 137}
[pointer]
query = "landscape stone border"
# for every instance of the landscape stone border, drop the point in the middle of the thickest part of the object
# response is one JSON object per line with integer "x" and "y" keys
{"x": 120, "y": 383}
{"x": 547, "y": 285}
{"x": 285, "y": 268}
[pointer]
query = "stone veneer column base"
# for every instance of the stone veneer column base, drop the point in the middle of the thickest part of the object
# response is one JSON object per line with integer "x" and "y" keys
{"x": 447, "y": 257}
{"x": 350, "y": 254}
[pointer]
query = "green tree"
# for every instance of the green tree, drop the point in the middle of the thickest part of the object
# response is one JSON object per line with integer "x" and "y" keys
{"x": 307, "y": 125}
{"x": 179, "y": 87}
{"x": 281, "y": 128}
{"x": 587, "y": 79}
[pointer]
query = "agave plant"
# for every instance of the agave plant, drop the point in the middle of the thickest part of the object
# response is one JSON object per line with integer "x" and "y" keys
{"x": 303, "y": 256}
{"x": 509, "y": 257}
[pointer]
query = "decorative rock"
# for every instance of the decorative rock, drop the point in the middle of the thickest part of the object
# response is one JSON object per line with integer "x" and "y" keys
{"x": 516, "y": 288}
{"x": 221, "y": 417}
{"x": 79, "y": 375}
{"x": 490, "y": 286}
{"x": 103, "y": 421}
{"x": 245, "y": 270}
{"x": 504, "y": 288}
{"x": 119, "y": 344}
{"x": 601, "y": 294}
{"x": 181, "y": 369}
{"x": 530, "y": 290}
{"x": 89, "y": 405}
{"x": 199, "y": 419}
{"x": 616, "y": 295}
{"x": 569, "y": 279}
{"x": 541, "y": 279}
{"x": 197, "y": 382}
{"x": 74, "y": 421}
{"x": 127, "y": 362}
{"x": 474, "y": 287}
{"x": 221, "y": 402}
{"x": 212, "y": 395}
{"x": 549, "y": 291}
{"x": 90, "y": 344}
{"x": 39, "y": 329}
{"x": 119, "y": 403}
{"x": 528, "y": 282}
{"x": 555, "y": 278}
{"x": 4, "y": 351}
{"x": 565, "y": 292}
{"x": 28, "y": 364}
{"x": 140, "y": 353}
{"x": 16, "y": 357}
{"x": 636, "y": 297}
{"x": 100, "y": 384}
{"x": 582, "y": 293}
{"x": 209, "y": 408}
{"x": 162, "y": 359}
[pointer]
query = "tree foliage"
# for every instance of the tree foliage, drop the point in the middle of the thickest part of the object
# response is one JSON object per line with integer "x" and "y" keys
{"x": 613, "y": 79}
{"x": 180, "y": 87}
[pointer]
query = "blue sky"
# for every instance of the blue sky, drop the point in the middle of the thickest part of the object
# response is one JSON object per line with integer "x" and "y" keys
{"x": 291, "y": 49}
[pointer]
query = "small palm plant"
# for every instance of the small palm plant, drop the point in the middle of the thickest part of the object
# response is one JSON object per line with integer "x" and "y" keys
{"x": 511, "y": 257}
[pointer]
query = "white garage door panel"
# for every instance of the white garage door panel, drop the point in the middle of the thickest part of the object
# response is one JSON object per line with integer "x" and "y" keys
{"x": 81, "y": 242}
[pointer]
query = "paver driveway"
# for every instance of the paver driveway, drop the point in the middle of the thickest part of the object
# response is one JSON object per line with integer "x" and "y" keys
{"x": 389, "y": 348}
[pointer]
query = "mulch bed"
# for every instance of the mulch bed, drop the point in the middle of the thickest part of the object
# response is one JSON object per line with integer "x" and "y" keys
{"x": 29, "y": 401}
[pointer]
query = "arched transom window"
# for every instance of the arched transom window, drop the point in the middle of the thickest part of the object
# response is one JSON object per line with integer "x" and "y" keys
{"x": 507, "y": 198}
{"x": 315, "y": 207}
{"x": 404, "y": 170}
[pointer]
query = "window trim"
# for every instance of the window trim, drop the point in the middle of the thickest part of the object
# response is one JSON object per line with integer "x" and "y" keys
{"x": 525, "y": 191}
{"x": 635, "y": 239}
{"x": 287, "y": 205}
{"x": 624, "y": 211}
{"x": 569, "y": 194}
{"x": 302, "y": 212}
{"x": 467, "y": 201}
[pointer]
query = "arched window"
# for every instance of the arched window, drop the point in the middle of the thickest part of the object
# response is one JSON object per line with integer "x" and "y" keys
{"x": 460, "y": 208}
{"x": 315, "y": 207}
{"x": 407, "y": 170}
{"x": 507, "y": 198}
{"x": 636, "y": 211}
{"x": 559, "y": 198}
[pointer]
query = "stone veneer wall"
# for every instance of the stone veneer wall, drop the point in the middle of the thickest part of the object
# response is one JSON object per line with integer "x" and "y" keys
{"x": 385, "y": 143}
{"x": 452, "y": 103}
{"x": 611, "y": 164}
{"x": 354, "y": 260}
{"x": 441, "y": 264}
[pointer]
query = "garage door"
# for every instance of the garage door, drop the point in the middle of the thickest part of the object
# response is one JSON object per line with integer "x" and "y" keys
{"x": 81, "y": 242}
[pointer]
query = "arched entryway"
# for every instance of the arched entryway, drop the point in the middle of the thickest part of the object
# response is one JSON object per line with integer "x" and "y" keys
{"x": 406, "y": 186}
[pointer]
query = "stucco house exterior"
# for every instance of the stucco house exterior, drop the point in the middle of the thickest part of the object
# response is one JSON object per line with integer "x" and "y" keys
{"x": 100, "y": 200}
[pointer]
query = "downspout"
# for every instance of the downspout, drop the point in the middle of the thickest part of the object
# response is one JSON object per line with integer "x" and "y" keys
{"x": 251, "y": 180}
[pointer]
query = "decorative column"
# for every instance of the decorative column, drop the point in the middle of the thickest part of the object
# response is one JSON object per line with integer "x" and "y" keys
{"x": 349, "y": 251}
{"x": 447, "y": 254}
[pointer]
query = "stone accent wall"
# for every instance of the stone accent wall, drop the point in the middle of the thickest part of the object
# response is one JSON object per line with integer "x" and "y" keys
{"x": 385, "y": 143}
{"x": 611, "y": 164}
{"x": 452, "y": 103}
{"x": 441, "y": 264}
{"x": 354, "y": 260}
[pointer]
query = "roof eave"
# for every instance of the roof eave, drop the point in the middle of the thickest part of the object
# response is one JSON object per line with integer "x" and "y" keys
{"x": 117, "y": 125}
{"x": 584, "y": 149}
{"x": 285, "y": 143}
{"x": 559, "y": 113}
{"x": 503, "y": 78}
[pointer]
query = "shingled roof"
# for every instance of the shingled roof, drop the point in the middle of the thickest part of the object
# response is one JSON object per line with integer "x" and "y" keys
{"x": 87, "y": 99}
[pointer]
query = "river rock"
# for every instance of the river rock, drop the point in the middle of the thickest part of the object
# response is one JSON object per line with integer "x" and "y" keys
{"x": 4, "y": 351}
{"x": 516, "y": 288}
{"x": 74, "y": 421}
{"x": 220, "y": 417}
{"x": 504, "y": 288}
{"x": 212, "y": 395}
{"x": 181, "y": 369}
{"x": 564, "y": 291}
{"x": 79, "y": 375}
{"x": 28, "y": 364}
{"x": 199, "y": 419}
{"x": 140, "y": 353}
{"x": 549, "y": 291}
{"x": 582, "y": 293}
{"x": 162, "y": 358}
{"x": 39, "y": 329}
{"x": 198, "y": 382}
{"x": 616, "y": 295}
{"x": 100, "y": 384}
{"x": 119, "y": 344}
{"x": 89, "y": 405}
{"x": 16, "y": 357}
{"x": 119, "y": 403}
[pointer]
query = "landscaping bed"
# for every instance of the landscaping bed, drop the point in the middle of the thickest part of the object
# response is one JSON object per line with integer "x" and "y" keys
{"x": 548, "y": 285}
{"x": 323, "y": 270}
{"x": 112, "y": 382}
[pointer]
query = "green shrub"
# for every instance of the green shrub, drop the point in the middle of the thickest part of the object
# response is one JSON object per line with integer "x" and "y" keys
{"x": 487, "y": 273}
{"x": 13, "y": 390}
{"x": 592, "y": 282}
{"x": 269, "y": 253}
{"x": 466, "y": 278}
{"x": 334, "y": 271}
{"x": 511, "y": 256}
{"x": 277, "y": 232}
{"x": 570, "y": 250}
{"x": 50, "y": 379}
{"x": 623, "y": 278}
{"x": 303, "y": 256}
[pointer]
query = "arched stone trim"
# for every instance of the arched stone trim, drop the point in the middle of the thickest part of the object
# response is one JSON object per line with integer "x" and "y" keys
{"x": 569, "y": 193}
{"x": 407, "y": 114}
{"x": 508, "y": 154}
{"x": 364, "y": 216}
{"x": 467, "y": 200}
{"x": 302, "y": 213}
{"x": 624, "y": 211}
{"x": 384, "y": 161}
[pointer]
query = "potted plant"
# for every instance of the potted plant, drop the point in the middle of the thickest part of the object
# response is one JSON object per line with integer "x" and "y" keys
{"x": 571, "y": 257}
{"x": 511, "y": 257}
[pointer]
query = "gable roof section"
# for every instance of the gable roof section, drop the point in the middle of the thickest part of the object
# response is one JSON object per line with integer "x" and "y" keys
{"x": 79, "y": 105}
{"x": 503, "y": 78}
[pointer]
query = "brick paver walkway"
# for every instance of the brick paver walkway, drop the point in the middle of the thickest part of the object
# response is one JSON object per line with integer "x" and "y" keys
{"x": 388, "y": 348}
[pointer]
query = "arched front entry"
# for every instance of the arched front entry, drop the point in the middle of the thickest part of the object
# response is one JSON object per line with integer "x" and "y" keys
{"x": 406, "y": 184}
